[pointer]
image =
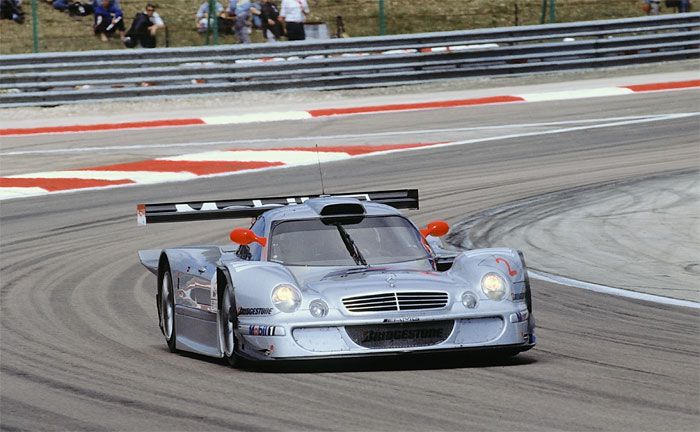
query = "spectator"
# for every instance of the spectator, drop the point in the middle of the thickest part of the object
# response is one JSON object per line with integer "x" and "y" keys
{"x": 114, "y": 3}
{"x": 241, "y": 11}
{"x": 652, "y": 7}
{"x": 292, "y": 16}
{"x": 61, "y": 5}
{"x": 108, "y": 19}
{"x": 269, "y": 14}
{"x": 73, "y": 7}
{"x": 202, "y": 19}
{"x": 12, "y": 10}
{"x": 143, "y": 29}
{"x": 684, "y": 6}
{"x": 255, "y": 15}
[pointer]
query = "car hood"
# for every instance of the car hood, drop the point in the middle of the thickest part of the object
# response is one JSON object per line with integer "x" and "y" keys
{"x": 339, "y": 284}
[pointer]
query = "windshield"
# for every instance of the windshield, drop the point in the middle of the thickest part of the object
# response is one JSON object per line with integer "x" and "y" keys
{"x": 371, "y": 241}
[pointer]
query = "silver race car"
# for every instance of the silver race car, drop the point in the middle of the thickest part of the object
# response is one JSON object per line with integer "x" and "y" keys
{"x": 333, "y": 276}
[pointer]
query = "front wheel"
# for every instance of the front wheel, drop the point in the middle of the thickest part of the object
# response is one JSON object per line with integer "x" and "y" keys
{"x": 228, "y": 323}
{"x": 166, "y": 306}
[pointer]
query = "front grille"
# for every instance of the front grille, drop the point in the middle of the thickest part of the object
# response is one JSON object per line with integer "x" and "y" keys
{"x": 393, "y": 301}
{"x": 403, "y": 335}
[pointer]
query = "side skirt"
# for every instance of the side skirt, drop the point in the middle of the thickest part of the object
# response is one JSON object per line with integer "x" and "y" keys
{"x": 197, "y": 331}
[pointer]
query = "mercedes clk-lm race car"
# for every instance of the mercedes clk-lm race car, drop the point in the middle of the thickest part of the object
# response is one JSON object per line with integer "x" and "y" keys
{"x": 333, "y": 276}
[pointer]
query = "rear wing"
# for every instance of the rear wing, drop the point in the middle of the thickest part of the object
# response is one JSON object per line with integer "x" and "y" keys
{"x": 241, "y": 208}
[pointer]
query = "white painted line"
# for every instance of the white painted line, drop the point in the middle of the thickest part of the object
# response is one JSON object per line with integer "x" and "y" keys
{"x": 575, "y": 94}
{"x": 289, "y": 157}
{"x": 143, "y": 177}
{"x": 610, "y": 290}
{"x": 21, "y": 192}
{"x": 537, "y": 133}
{"x": 324, "y": 138}
{"x": 257, "y": 117}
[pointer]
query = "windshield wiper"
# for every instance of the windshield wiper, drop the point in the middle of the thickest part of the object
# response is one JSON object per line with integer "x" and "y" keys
{"x": 351, "y": 246}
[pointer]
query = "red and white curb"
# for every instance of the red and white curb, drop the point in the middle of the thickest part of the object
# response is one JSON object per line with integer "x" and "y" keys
{"x": 318, "y": 113}
{"x": 235, "y": 161}
{"x": 182, "y": 168}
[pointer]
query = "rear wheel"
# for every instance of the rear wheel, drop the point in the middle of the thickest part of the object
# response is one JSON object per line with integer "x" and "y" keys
{"x": 228, "y": 322}
{"x": 166, "y": 305}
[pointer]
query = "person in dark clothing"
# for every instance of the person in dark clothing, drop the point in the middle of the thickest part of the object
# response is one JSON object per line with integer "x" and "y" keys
{"x": 108, "y": 19}
{"x": 269, "y": 14}
{"x": 76, "y": 8}
{"x": 11, "y": 10}
{"x": 143, "y": 29}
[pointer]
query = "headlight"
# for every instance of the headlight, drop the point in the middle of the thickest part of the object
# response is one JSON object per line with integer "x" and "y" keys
{"x": 286, "y": 298}
{"x": 494, "y": 286}
{"x": 318, "y": 308}
{"x": 469, "y": 300}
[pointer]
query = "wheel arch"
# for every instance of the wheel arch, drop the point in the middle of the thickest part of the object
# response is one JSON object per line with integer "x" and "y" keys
{"x": 162, "y": 262}
{"x": 223, "y": 277}
{"x": 528, "y": 289}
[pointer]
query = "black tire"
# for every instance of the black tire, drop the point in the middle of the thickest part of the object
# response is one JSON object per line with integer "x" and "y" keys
{"x": 166, "y": 305}
{"x": 228, "y": 323}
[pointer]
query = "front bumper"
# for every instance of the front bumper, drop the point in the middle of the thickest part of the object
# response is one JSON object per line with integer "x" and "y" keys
{"x": 340, "y": 340}
{"x": 509, "y": 349}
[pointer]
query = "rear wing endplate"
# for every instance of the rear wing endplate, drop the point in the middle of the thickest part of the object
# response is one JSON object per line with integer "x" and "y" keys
{"x": 242, "y": 208}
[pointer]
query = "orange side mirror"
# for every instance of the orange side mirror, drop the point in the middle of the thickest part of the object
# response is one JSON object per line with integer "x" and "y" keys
{"x": 435, "y": 228}
{"x": 244, "y": 236}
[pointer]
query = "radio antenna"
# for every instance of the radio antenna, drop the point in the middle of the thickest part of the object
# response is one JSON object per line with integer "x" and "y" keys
{"x": 320, "y": 171}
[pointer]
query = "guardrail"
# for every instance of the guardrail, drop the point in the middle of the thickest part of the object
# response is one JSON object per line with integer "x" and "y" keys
{"x": 63, "y": 78}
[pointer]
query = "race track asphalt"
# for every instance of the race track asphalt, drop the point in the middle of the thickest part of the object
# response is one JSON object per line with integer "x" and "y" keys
{"x": 81, "y": 349}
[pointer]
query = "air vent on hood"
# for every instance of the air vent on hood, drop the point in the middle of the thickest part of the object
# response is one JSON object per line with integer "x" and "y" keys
{"x": 343, "y": 209}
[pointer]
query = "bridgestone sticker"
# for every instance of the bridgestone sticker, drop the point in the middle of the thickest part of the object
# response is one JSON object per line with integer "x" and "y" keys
{"x": 400, "y": 335}
{"x": 375, "y": 336}
{"x": 254, "y": 311}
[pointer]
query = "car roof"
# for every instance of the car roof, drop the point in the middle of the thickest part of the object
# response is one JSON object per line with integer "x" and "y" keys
{"x": 310, "y": 209}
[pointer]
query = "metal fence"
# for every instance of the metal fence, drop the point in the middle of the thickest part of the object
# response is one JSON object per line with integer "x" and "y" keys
{"x": 58, "y": 31}
{"x": 62, "y": 78}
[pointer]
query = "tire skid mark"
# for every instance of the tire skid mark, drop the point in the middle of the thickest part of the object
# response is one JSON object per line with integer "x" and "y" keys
{"x": 44, "y": 419}
{"x": 482, "y": 229}
{"x": 68, "y": 374}
{"x": 575, "y": 391}
{"x": 100, "y": 377}
{"x": 66, "y": 355}
{"x": 150, "y": 408}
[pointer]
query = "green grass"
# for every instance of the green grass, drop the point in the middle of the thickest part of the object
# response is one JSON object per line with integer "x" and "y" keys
{"x": 59, "y": 32}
